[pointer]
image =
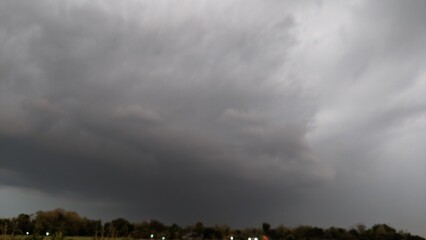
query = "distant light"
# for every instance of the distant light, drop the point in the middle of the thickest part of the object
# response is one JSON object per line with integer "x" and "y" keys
{"x": 249, "y": 238}
{"x": 152, "y": 235}
{"x": 255, "y": 238}
{"x": 47, "y": 233}
{"x": 163, "y": 238}
{"x": 232, "y": 238}
{"x": 27, "y": 233}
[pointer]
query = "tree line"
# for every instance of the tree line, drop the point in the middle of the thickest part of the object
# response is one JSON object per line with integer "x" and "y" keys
{"x": 59, "y": 223}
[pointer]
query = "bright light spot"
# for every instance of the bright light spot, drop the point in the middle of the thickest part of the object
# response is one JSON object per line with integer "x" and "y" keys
{"x": 47, "y": 233}
{"x": 255, "y": 238}
{"x": 249, "y": 238}
{"x": 27, "y": 233}
{"x": 232, "y": 238}
{"x": 163, "y": 238}
{"x": 152, "y": 235}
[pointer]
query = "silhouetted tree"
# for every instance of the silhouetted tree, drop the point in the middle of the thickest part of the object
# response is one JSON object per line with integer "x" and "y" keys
{"x": 59, "y": 223}
{"x": 266, "y": 227}
{"x": 24, "y": 224}
{"x": 199, "y": 228}
{"x": 122, "y": 227}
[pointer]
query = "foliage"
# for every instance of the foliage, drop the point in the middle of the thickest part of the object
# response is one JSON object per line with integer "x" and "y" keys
{"x": 60, "y": 223}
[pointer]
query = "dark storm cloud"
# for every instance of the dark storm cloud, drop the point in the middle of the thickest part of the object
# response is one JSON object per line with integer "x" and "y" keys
{"x": 228, "y": 112}
{"x": 178, "y": 114}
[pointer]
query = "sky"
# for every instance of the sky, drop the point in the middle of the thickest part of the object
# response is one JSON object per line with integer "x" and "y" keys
{"x": 232, "y": 112}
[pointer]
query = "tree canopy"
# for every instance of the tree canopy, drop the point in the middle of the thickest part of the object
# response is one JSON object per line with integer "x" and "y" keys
{"x": 59, "y": 223}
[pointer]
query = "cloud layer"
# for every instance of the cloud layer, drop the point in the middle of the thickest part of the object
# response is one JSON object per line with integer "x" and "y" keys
{"x": 226, "y": 112}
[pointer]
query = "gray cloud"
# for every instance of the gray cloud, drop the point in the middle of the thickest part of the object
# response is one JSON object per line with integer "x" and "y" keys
{"x": 227, "y": 112}
{"x": 370, "y": 105}
{"x": 181, "y": 112}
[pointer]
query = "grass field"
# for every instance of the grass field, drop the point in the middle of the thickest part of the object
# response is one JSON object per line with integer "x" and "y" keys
{"x": 79, "y": 238}
{"x": 24, "y": 237}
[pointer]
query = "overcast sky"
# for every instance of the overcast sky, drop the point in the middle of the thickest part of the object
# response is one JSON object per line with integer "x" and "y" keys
{"x": 227, "y": 112}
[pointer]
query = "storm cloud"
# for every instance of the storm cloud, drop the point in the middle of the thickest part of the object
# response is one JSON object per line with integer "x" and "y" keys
{"x": 232, "y": 112}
